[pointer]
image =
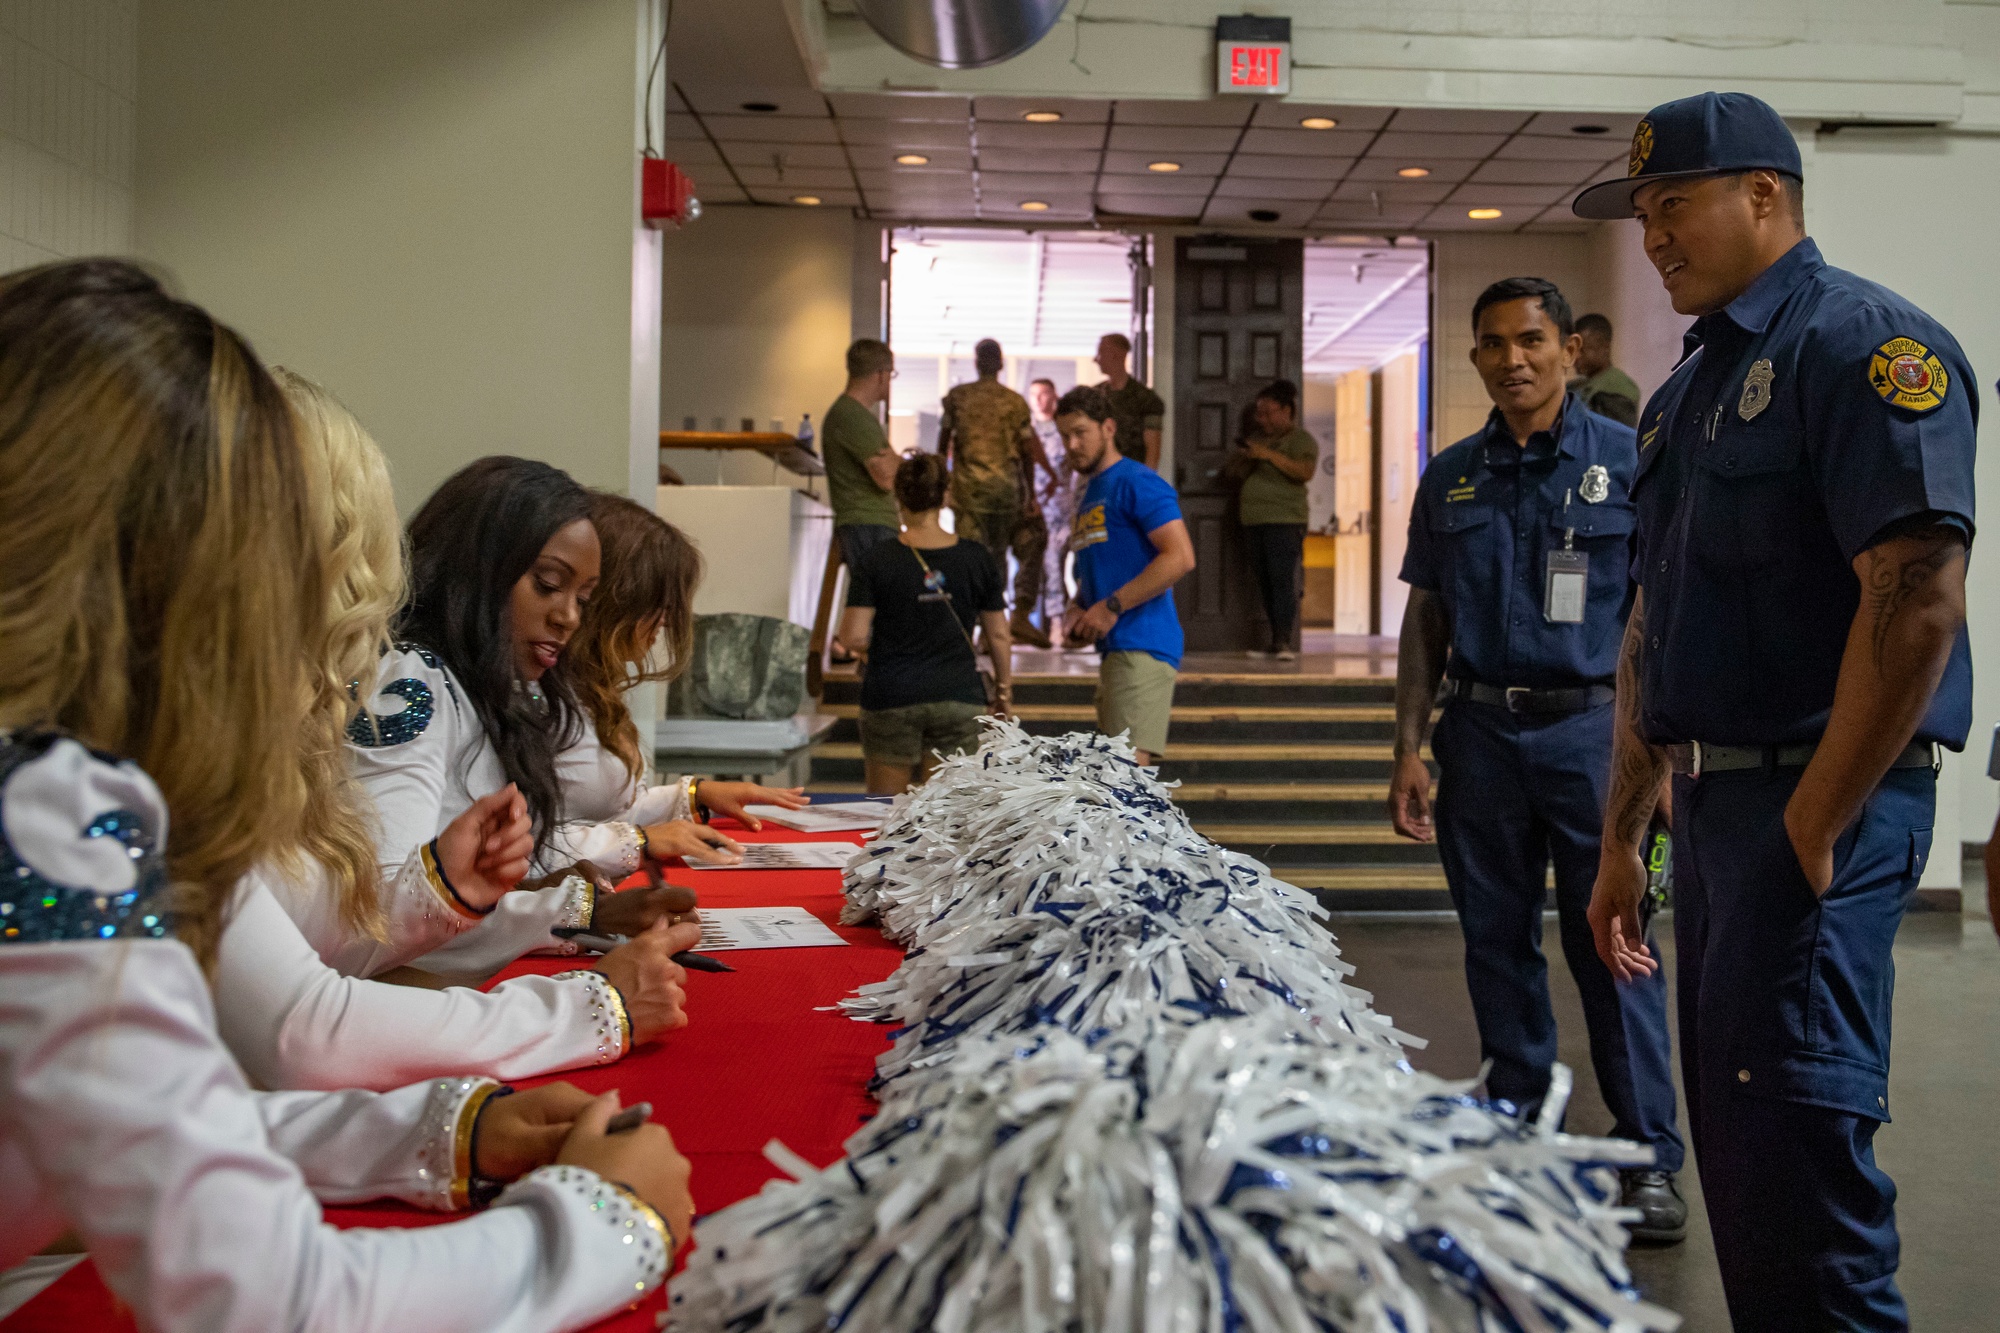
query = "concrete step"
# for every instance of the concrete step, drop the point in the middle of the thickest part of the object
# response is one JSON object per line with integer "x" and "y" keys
{"x": 1198, "y": 689}
{"x": 1199, "y": 723}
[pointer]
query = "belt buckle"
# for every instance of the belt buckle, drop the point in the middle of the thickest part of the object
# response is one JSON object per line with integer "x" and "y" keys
{"x": 1695, "y": 772}
{"x": 1514, "y": 694}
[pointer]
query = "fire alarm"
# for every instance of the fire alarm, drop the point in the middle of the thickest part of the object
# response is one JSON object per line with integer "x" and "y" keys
{"x": 666, "y": 194}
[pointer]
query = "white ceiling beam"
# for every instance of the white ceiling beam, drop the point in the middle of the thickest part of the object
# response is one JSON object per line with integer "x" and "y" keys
{"x": 1388, "y": 294}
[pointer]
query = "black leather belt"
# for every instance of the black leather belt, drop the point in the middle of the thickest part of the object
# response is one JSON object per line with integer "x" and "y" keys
{"x": 1521, "y": 699}
{"x": 1694, "y": 759}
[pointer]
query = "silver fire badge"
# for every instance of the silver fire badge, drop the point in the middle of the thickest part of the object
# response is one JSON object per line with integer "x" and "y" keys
{"x": 1596, "y": 484}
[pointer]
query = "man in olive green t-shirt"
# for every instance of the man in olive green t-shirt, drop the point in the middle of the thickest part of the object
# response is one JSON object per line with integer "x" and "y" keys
{"x": 860, "y": 465}
{"x": 1604, "y": 388}
{"x": 1272, "y": 509}
{"x": 1138, "y": 411}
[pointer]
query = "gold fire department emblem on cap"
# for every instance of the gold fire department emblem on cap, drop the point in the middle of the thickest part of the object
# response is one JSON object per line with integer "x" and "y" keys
{"x": 1642, "y": 148}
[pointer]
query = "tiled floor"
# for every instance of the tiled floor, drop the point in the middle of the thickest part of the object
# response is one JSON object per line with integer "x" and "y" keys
{"x": 1943, "y": 1149}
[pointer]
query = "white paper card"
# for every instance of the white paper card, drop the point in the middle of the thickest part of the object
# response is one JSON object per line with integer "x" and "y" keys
{"x": 788, "y": 856}
{"x": 837, "y": 817}
{"x": 726, "y": 928}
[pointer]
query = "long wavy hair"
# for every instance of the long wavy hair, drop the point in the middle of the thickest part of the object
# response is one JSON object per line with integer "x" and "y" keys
{"x": 354, "y": 518}
{"x": 644, "y": 596}
{"x": 469, "y": 545}
{"x": 159, "y": 568}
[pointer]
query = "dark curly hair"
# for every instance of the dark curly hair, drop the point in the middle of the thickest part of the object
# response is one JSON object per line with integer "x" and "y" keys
{"x": 469, "y": 545}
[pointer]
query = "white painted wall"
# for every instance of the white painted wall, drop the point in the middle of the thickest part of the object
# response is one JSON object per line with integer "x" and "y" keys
{"x": 1646, "y": 333}
{"x": 429, "y": 208}
{"x": 1914, "y": 211}
{"x": 68, "y": 85}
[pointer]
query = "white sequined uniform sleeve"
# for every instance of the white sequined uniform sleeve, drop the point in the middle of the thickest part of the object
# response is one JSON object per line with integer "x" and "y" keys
{"x": 520, "y": 924}
{"x": 122, "y": 1115}
{"x": 607, "y": 809}
{"x": 294, "y": 1022}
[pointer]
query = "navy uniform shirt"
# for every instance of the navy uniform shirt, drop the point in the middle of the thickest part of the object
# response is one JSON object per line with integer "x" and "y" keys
{"x": 1488, "y": 512}
{"x": 1814, "y": 412}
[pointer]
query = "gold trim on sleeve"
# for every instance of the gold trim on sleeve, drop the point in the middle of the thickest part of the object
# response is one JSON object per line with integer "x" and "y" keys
{"x": 440, "y": 888}
{"x": 461, "y": 1144}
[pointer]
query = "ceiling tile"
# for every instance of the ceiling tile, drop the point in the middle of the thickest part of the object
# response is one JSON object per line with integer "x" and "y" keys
{"x": 907, "y": 178}
{"x": 1423, "y": 148}
{"x": 782, "y": 194}
{"x": 1037, "y": 159}
{"x": 1452, "y": 120}
{"x": 1075, "y": 111}
{"x": 1261, "y": 166}
{"x": 1020, "y": 134}
{"x": 1508, "y": 171}
{"x": 1192, "y": 164}
{"x": 871, "y": 157}
{"x": 1478, "y": 196}
{"x": 792, "y": 154}
{"x": 690, "y": 152}
{"x": 1450, "y": 217}
{"x": 1214, "y": 112}
{"x": 1407, "y": 192}
{"x": 728, "y": 100}
{"x": 1031, "y": 181}
{"x": 1145, "y": 205}
{"x": 901, "y": 106}
{"x": 813, "y": 178}
{"x": 788, "y": 129}
{"x": 1386, "y": 169}
{"x": 1237, "y": 187}
{"x": 680, "y": 125}
{"x": 1287, "y": 115}
{"x": 1310, "y": 143}
{"x": 1236, "y": 212}
{"x": 1183, "y": 183}
{"x": 919, "y": 134}
{"x": 1617, "y": 128}
{"x": 1173, "y": 138}
{"x": 1361, "y": 216}
{"x": 720, "y": 190}
{"x": 1548, "y": 148}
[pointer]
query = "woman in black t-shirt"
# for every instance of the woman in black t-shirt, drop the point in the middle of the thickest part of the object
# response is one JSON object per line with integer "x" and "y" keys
{"x": 910, "y": 613}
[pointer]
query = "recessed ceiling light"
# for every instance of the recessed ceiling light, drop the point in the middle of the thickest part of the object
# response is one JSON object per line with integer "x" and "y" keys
{"x": 1413, "y": 173}
{"x": 1482, "y": 214}
{"x": 1355, "y": 240}
{"x": 911, "y": 160}
{"x": 1042, "y": 117}
{"x": 1318, "y": 123}
{"x": 1264, "y": 215}
{"x": 1163, "y": 166}
{"x": 809, "y": 200}
{"x": 1590, "y": 129}
{"x": 761, "y": 108}
{"x": 1034, "y": 206}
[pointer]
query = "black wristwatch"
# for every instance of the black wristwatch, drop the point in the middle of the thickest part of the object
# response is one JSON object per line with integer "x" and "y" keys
{"x": 1117, "y": 607}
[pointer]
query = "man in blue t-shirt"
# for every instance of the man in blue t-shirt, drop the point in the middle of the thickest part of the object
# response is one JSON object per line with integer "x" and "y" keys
{"x": 1131, "y": 548}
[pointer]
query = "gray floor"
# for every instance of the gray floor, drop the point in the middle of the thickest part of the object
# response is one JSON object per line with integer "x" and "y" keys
{"x": 1943, "y": 1149}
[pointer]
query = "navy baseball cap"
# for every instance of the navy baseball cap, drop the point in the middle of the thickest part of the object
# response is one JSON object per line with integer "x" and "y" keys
{"x": 1712, "y": 134}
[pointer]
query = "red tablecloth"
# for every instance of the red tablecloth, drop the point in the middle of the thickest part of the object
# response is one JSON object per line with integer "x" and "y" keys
{"x": 758, "y": 1060}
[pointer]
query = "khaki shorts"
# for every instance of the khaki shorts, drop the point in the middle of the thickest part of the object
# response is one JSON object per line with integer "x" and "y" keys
{"x": 907, "y": 735}
{"x": 1135, "y": 692}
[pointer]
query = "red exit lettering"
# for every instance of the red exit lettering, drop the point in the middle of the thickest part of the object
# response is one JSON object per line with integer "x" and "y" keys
{"x": 1254, "y": 66}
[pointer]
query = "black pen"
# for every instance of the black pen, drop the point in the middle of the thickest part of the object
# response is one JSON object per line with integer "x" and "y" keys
{"x": 687, "y": 958}
{"x": 633, "y": 1116}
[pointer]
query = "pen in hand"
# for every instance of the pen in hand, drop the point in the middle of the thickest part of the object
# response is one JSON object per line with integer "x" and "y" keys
{"x": 633, "y": 1116}
{"x": 687, "y": 958}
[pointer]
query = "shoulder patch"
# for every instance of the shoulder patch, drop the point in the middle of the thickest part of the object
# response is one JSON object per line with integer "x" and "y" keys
{"x": 375, "y": 731}
{"x": 1905, "y": 373}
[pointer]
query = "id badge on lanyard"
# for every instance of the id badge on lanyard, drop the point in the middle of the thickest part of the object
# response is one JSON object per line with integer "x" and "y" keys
{"x": 1566, "y": 586}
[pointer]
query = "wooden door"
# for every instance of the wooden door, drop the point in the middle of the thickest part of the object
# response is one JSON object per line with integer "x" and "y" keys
{"x": 1238, "y": 323}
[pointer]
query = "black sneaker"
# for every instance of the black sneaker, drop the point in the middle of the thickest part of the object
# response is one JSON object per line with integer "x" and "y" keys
{"x": 1663, "y": 1214}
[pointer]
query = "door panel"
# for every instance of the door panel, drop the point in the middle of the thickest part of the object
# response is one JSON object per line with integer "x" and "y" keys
{"x": 1239, "y": 306}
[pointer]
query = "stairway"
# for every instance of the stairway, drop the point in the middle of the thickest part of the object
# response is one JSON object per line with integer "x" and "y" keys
{"x": 1290, "y": 769}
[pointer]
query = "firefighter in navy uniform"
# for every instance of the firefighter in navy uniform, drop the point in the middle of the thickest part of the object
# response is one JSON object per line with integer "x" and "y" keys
{"x": 1520, "y": 543}
{"x": 1796, "y": 655}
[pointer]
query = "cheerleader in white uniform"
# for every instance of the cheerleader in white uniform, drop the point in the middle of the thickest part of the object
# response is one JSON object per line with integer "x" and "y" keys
{"x": 162, "y": 575}
{"x": 291, "y": 998}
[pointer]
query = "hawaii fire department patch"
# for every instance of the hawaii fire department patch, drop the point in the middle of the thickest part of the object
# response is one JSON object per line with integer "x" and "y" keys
{"x": 1905, "y": 373}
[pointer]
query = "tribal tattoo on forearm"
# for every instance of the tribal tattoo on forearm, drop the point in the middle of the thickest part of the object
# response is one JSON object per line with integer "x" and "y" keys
{"x": 1637, "y": 769}
{"x": 1898, "y": 578}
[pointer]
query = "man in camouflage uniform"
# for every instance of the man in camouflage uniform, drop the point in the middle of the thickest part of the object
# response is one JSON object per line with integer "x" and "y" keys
{"x": 1139, "y": 411}
{"x": 987, "y": 436}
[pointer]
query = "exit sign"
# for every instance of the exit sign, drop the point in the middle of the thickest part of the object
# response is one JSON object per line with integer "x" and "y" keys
{"x": 1253, "y": 55}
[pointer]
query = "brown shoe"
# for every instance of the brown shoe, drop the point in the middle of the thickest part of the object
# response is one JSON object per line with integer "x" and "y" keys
{"x": 1024, "y": 632}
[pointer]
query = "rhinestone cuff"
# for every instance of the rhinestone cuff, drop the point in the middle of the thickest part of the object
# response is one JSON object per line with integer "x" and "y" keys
{"x": 608, "y": 1018}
